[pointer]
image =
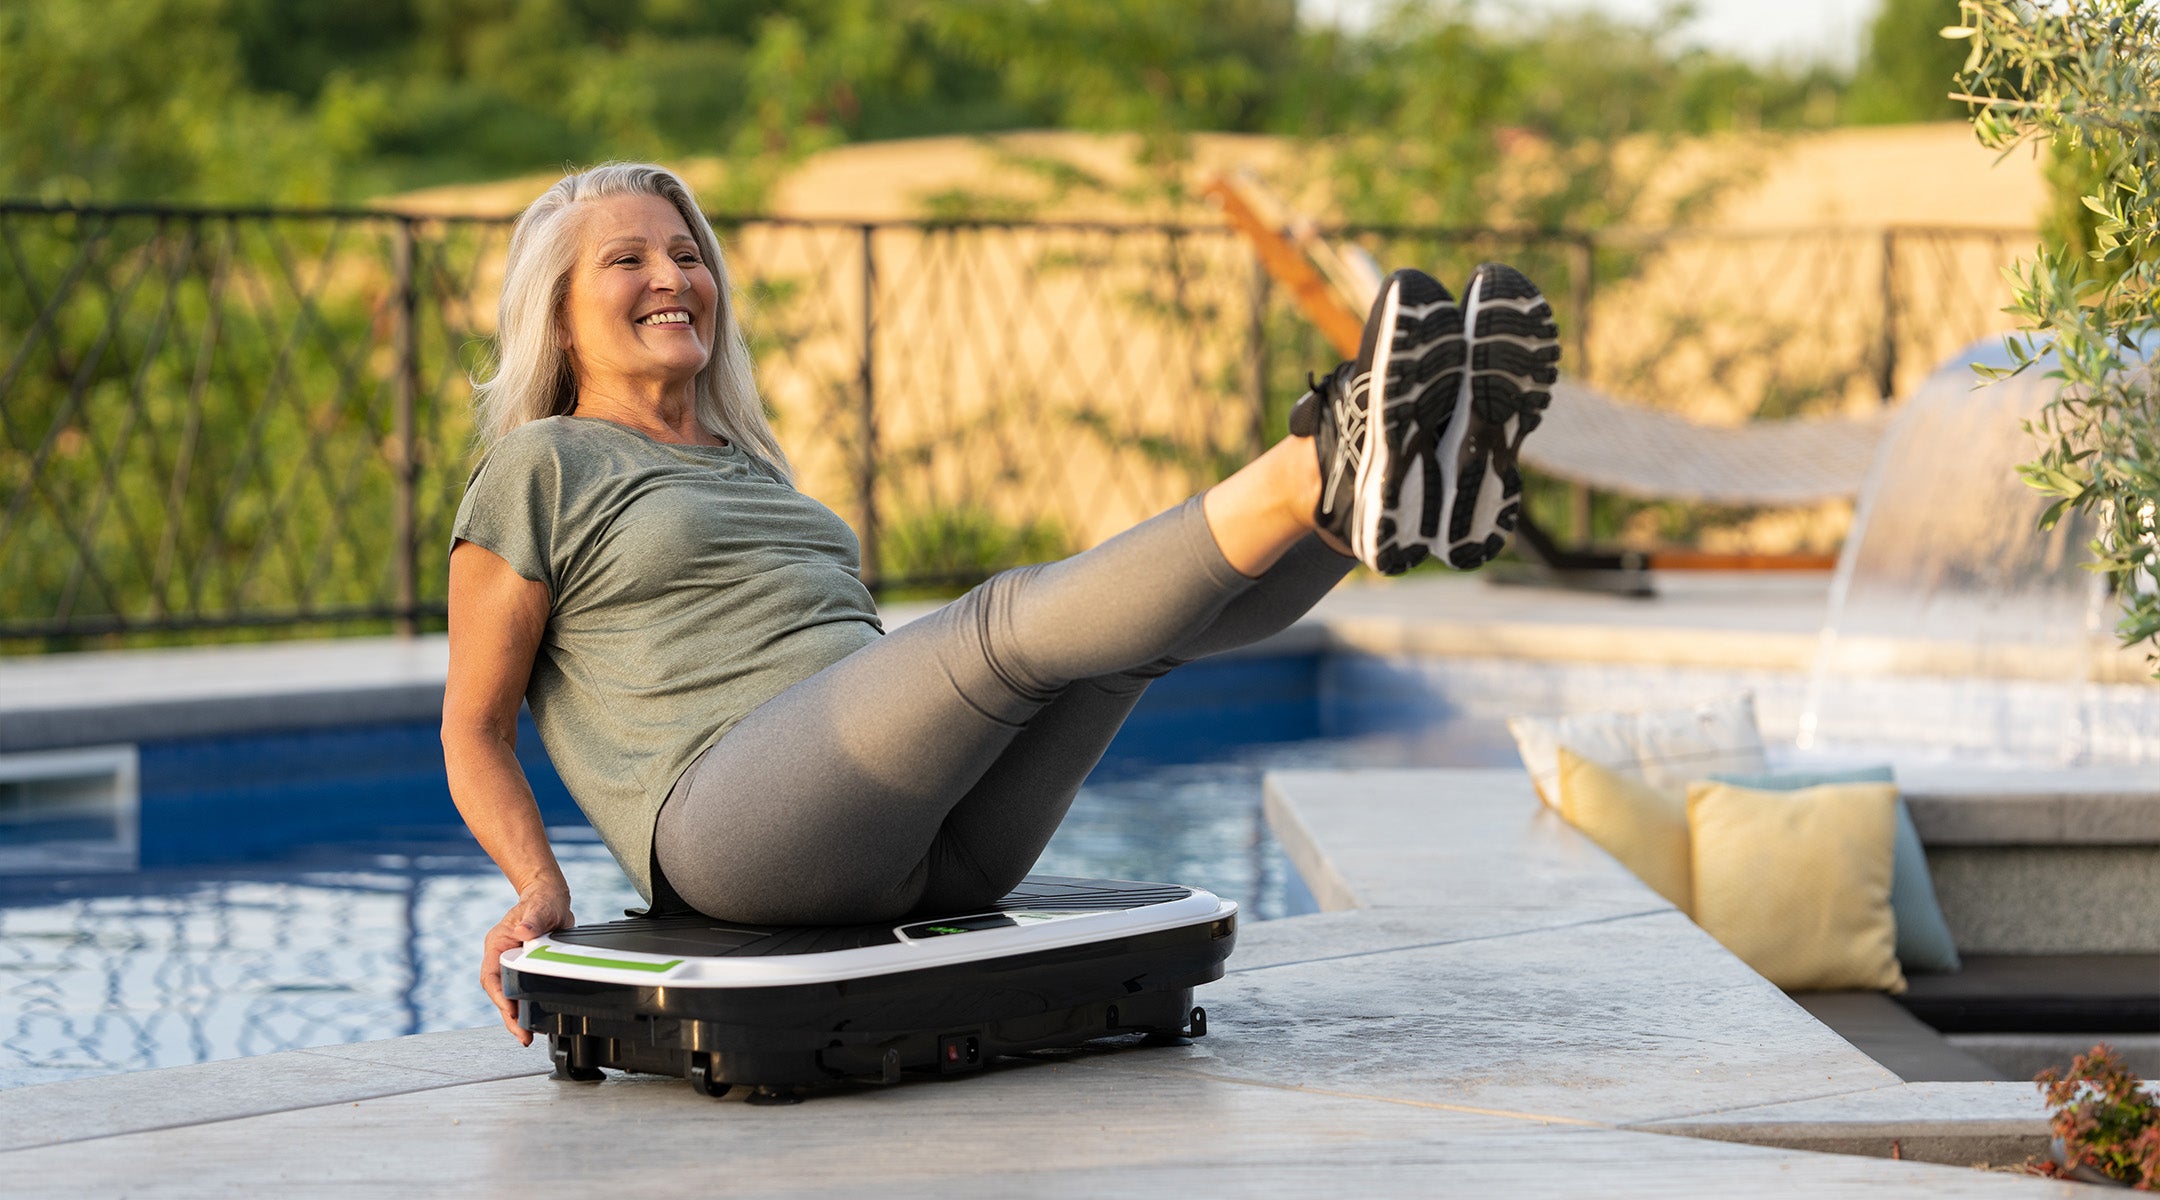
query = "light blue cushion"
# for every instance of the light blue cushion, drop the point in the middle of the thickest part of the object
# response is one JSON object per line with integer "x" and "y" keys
{"x": 1923, "y": 938}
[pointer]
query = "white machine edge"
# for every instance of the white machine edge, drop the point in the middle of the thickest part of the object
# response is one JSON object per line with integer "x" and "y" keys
{"x": 864, "y": 961}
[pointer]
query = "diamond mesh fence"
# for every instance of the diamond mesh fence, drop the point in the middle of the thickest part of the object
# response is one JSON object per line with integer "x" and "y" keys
{"x": 211, "y": 420}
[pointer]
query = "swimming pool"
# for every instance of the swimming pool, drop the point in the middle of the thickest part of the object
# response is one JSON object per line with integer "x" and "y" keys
{"x": 310, "y": 888}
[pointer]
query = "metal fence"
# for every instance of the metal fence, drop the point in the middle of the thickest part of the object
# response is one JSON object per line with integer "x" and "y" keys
{"x": 214, "y": 419}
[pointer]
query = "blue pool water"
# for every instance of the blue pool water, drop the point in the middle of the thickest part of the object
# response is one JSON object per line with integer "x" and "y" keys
{"x": 309, "y": 888}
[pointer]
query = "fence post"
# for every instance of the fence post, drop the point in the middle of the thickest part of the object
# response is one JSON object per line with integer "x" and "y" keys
{"x": 1886, "y": 383}
{"x": 1256, "y": 353}
{"x": 1582, "y": 291}
{"x": 866, "y": 468}
{"x": 404, "y": 467}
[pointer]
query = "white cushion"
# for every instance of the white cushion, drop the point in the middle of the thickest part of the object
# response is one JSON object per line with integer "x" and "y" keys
{"x": 1665, "y": 748}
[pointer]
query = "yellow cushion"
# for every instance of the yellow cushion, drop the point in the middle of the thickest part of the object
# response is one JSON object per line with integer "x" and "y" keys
{"x": 1797, "y": 884}
{"x": 1642, "y": 826}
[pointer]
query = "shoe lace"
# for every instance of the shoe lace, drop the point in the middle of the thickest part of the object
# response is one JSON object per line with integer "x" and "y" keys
{"x": 1330, "y": 391}
{"x": 1339, "y": 392}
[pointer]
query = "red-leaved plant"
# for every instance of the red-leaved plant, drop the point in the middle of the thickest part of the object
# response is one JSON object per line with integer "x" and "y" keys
{"x": 2104, "y": 1120}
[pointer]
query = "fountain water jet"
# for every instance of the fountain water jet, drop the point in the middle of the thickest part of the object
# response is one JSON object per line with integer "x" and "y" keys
{"x": 1956, "y": 627}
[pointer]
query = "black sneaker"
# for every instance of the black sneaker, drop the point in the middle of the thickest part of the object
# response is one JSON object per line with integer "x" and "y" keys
{"x": 1378, "y": 424}
{"x": 1514, "y": 359}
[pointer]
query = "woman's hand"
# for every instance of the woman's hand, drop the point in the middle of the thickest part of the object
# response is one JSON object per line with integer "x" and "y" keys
{"x": 541, "y": 907}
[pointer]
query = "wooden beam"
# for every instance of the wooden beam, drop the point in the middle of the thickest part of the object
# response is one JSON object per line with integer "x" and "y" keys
{"x": 1289, "y": 267}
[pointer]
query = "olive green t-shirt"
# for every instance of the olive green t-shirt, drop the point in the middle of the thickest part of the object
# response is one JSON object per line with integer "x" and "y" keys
{"x": 686, "y": 586}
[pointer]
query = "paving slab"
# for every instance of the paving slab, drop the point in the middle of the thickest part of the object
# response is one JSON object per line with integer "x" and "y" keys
{"x": 106, "y": 696}
{"x": 1082, "y": 1125}
{"x": 1477, "y": 849}
{"x": 464, "y": 1055}
{"x": 1559, "y": 985}
{"x": 109, "y": 1105}
{"x": 1330, "y": 936}
{"x": 1630, "y": 1019}
{"x": 1951, "y": 1122}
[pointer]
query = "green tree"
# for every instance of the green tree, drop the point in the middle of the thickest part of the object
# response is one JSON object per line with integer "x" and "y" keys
{"x": 146, "y": 99}
{"x": 2082, "y": 76}
{"x": 1163, "y": 70}
{"x": 1437, "y": 117}
{"x": 1908, "y": 68}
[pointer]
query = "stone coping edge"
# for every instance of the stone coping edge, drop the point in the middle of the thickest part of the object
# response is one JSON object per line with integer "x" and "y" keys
{"x": 1954, "y": 1124}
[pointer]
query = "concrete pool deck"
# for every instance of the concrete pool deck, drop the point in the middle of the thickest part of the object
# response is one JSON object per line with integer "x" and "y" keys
{"x": 1490, "y": 1004}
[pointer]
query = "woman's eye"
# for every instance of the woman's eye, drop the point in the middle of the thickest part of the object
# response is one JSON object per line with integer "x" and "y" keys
{"x": 687, "y": 259}
{"x": 627, "y": 260}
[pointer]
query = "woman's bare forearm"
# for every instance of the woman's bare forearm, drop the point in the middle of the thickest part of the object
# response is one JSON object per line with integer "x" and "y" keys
{"x": 492, "y": 794}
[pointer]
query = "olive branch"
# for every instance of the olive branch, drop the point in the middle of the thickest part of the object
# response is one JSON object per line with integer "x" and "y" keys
{"x": 2078, "y": 78}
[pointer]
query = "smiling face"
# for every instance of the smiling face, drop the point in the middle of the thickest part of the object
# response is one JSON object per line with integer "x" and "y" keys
{"x": 642, "y": 302}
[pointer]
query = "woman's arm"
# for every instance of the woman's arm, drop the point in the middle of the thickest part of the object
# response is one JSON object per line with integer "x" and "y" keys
{"x": 496, "y": 618}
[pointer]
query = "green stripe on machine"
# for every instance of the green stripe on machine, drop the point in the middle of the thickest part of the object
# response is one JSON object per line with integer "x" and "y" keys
{"x": 551, "y": 954}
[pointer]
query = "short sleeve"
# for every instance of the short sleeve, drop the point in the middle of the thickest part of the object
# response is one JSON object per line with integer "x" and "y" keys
{"x": 513, "y": 507}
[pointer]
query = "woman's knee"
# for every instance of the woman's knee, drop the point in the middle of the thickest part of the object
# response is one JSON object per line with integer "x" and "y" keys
{"x": 986, "y": 650}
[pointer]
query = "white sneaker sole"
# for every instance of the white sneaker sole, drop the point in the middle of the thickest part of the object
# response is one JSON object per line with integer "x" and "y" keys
{"x": 1514, "y": 351}
{"x": 1419, "y": 356}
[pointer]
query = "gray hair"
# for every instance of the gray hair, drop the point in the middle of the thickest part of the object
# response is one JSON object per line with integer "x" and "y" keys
{"x": 533, "y": 377}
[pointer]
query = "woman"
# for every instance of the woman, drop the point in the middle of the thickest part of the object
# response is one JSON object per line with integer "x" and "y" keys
{"x": 707, "y": 670}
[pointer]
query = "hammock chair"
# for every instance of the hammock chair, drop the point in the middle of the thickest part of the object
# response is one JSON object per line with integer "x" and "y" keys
{"x": 1587, "y": 437}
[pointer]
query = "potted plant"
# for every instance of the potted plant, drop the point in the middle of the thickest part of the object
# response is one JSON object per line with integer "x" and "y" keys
{"x": 2106, "y": 1126}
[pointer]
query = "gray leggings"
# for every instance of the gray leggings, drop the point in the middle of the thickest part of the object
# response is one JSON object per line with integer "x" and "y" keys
{"x": 927, "y": 771}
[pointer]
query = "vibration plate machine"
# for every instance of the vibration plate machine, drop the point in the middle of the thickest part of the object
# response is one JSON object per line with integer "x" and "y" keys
{"x": 1057, "y": 962}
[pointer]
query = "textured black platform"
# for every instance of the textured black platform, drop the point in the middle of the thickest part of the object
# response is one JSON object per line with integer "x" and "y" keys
{"x": 697, "y": 934}
{"x": 1027, "y": 974}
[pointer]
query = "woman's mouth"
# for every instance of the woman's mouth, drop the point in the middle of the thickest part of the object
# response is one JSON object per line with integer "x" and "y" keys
{"x": 672, "y": 316}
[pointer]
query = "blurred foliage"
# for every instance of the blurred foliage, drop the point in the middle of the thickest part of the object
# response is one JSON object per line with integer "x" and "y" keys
{"x": 941, "y": 550}
{"x": 1909, "y": 69}
{"x": 315, "y": 100}
{"x": 1422, "y": 112}
{"x": 149, "y": 99}
{"x": 294, "y": 102}
{"x": 200, "y": 418}
{"x": 2080, "y": 77}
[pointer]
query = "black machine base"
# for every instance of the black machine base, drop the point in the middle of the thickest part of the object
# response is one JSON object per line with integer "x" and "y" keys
{"x": 1015, "y": 986}
{"x": 1166, "y": 1017}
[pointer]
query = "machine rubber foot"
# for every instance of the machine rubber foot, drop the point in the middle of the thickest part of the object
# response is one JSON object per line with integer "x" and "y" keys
{"x": 702, "y": 1079}
{"x": 564, "y": 1071}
